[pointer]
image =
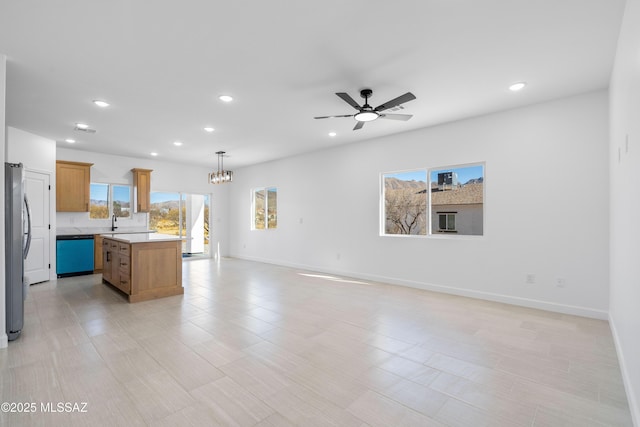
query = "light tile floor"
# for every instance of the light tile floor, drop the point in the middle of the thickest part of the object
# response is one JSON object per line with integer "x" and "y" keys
{"x": 251, "y": 344}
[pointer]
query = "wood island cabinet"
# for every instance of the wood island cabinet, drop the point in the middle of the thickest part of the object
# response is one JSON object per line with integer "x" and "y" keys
{"x": 97, "y": 253}
{"x": 73, "y": 181}
{"x": 143, "y": 269}
{"x": 142, "y": 189}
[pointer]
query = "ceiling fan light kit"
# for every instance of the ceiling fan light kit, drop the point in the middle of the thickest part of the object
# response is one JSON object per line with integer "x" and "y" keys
{"x": 366, "y": 116}
{"x": 366, "y": 113}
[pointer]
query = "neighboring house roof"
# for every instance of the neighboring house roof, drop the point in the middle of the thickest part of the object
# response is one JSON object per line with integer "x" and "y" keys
{"x": 468, "y": 194}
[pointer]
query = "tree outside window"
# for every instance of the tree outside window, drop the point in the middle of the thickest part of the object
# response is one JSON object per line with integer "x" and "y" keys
{"x": 405, "y": 203}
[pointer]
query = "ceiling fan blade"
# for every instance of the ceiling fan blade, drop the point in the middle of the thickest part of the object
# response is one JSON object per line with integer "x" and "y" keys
{"x": 349, "y": 100}
{"x": 333, "y": 117}
{"x": 358, "y": 125}
{"x": 396, "y": 101}
{"x": 404, "y": 117}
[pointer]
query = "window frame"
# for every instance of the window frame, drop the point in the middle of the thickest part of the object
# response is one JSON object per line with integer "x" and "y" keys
{"x": 447, "y": 216}
{"x": 430, "y": 232}
{"x": 111, "y": 201}
{"x": 265, "y": 195}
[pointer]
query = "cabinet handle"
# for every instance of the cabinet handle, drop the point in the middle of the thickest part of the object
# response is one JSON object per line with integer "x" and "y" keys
{"x": 108, "y": 256}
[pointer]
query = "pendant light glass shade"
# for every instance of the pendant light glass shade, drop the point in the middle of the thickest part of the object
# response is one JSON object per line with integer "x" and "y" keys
{"x": 220, "y": 176}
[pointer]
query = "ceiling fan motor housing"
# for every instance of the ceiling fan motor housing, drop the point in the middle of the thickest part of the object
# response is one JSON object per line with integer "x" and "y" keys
{"x": 366, "y": 93}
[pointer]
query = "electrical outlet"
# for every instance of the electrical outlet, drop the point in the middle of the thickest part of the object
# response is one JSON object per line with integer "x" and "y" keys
{"x": 338, "y": 256}
{"x": 530, "y": 279}
{"x": 561, "y": 282}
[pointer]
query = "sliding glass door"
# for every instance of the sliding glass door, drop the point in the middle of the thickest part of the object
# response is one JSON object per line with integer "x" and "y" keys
{"x": 185, "y": 215}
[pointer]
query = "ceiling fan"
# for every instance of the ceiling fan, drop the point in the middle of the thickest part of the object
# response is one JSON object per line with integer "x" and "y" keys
{"x": 367, "y": 113}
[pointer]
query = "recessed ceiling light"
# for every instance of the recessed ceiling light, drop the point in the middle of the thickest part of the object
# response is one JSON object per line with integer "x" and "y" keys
{"x": 517, "y": 86}
{"x": 153, "y": 153}
{"x": 332, "y": 134}
{"x": 209, "y": 129}
{"x": 70, "y": 141}
{"x": 100, "y": 103}
{"x": 82, "y": 126}
{"x": 177, "y": 143}
{"x": 225, "y": 98}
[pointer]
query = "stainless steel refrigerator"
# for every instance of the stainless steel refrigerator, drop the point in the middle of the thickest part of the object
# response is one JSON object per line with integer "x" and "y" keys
{"x": 17, "y": 229}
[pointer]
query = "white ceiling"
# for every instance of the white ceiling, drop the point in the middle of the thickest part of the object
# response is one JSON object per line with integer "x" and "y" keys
{"x": 163, "y": 64}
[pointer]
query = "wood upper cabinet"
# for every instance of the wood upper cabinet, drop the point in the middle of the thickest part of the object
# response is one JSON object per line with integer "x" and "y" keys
{"x": 73, "y": 181}
{"x": 142, "y": 189}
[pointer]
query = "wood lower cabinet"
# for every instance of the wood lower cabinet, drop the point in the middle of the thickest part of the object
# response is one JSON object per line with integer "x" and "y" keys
{"x": 110, "y": 260}
{"x": 97, "y": 254}
{"x": 145, "y": 270}
{"x": 73, "y": 182}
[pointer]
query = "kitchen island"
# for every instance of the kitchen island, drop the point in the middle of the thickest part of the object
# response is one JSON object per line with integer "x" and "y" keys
{"x": 143, "y": 266}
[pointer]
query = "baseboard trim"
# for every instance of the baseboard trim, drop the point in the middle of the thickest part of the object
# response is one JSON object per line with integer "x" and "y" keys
{"x": 4, "y": 340}
{"x": 634, "y": 406}
{"x": 507, "y": 299}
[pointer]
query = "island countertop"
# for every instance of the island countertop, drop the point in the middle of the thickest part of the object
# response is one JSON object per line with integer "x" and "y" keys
{"x": 70, "y": 231}
{"x": 134, "y": 238}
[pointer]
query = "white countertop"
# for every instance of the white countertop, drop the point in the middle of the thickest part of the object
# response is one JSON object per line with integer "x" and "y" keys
{"x": 69, "y": 231}
{"x": 141, "y": 237}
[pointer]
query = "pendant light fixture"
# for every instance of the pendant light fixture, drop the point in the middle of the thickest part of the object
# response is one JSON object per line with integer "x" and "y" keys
{"x": 220, "y": 176}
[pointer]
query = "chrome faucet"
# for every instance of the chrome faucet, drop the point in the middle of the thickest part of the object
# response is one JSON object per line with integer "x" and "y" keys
{"x": 113, "y": 222}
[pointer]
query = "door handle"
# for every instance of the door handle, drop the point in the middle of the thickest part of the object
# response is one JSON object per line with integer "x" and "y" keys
{"x": 28, "y": 244}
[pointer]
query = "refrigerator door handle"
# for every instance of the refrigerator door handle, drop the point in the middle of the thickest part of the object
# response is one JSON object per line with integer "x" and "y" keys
{"x": 28, "y": 233}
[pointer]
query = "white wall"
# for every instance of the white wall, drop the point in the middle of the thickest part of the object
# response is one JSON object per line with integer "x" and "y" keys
{"x": 169, "y": 177}
{"x": 36, "y": 154}
{"x": 3, "y": 79}
{"x": 546, "y": 208}
{"x": 624, "y": 157}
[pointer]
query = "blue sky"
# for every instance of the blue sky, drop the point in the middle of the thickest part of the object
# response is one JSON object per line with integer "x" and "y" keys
{"x": 464, "y": 174}
{"x": 158, "y": 197}
{"x": 99, "y": 191}
{"x": 120, "y": 192}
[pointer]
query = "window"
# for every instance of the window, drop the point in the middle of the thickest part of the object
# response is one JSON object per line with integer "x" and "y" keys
{"x": 405, "y": 202}
{"x": 457, "y": 200}
{"x": 264, "y": 208}
{"x": 446, "y": 222}
{"x": 440, "y": 200}
{"x": 122, "y": 201}
{"x": 100, "y": 206}
{"x": 99, "y": 201}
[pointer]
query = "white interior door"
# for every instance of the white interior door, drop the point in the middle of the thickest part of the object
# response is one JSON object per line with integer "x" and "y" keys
{"x": 37, "y": 264}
